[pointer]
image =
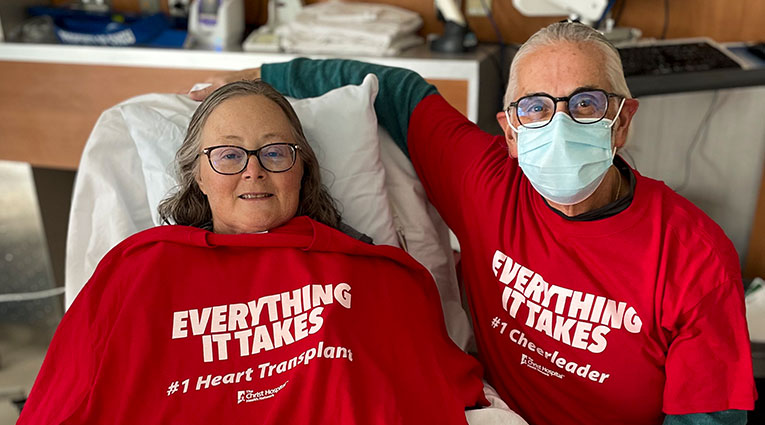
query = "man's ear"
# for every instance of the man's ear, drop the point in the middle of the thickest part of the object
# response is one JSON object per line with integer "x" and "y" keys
{"x": 625, "y": 119}
{"x": 510, "y": 135}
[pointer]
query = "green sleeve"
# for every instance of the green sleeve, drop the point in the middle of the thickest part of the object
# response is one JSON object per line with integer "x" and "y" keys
{"x": 400, "y": 90}
{"x": 725, "y": 417}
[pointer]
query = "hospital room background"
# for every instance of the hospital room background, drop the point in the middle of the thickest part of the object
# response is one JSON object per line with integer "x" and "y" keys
{"x": 699, "y": 128}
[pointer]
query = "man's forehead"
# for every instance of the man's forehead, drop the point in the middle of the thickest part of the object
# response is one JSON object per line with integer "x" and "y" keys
{"x": 562, "y": 68}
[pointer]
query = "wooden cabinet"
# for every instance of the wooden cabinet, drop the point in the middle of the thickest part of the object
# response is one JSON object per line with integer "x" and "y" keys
{"x": 51, "y": 96}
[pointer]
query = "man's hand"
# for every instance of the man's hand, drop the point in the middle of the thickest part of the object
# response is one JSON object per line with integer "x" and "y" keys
{"x": 224, "y": 78}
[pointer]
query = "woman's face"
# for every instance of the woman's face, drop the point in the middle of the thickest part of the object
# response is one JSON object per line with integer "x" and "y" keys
{"x": 254, "y": 200}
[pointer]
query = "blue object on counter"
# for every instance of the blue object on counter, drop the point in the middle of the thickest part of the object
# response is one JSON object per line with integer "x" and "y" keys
{"x": 105, "y": 29}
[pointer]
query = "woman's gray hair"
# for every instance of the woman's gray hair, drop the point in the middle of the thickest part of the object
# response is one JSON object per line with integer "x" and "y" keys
{"x": 573, "y": 32}
{"x": 189, "y": 206}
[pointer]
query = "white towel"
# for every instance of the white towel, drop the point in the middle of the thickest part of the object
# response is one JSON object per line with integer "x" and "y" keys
{"x": 347, "y": 46}
{"x": 350, "y": 28}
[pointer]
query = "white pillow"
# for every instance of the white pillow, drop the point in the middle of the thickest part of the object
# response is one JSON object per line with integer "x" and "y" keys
{"x": 341, "y": 127}
{"x": 127, "y": 169}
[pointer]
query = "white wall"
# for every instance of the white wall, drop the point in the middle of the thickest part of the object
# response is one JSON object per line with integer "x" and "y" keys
{"x": 725, "y": 164}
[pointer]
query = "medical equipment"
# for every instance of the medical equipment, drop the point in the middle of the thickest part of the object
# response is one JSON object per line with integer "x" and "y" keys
{"x": 265, "y": 39}
{"x": 457, "y": 37}
{"x": 591, "y": 12}
{"x": 586, "y": 11}
{"x": 216, "y": 24}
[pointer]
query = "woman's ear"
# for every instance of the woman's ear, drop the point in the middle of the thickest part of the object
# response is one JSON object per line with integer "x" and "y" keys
{"x": 200, "y": 183}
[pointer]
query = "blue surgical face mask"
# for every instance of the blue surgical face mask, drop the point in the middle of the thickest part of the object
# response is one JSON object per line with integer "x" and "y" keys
{"x": 566, "y": 161}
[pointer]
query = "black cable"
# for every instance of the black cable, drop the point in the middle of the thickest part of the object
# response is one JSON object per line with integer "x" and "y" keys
{"x": 696, "y": 138}
{"x": 609, "y": 6}
{"x": 497, "y": 32}
{"x": 618, "y": 15}
{"x": 666, "y": 20}
{"x": 703, "y": 154}
{"x": 498, "y": 62}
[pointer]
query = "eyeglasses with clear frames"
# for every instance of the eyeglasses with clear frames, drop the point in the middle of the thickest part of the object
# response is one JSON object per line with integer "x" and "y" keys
{"x": 586, "y": 106}
{"x": 230, "y": 159}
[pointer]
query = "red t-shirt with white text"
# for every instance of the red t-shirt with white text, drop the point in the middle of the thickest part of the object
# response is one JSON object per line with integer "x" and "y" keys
{"x": 300, "y": 325}
{"x": 618, "y": 320}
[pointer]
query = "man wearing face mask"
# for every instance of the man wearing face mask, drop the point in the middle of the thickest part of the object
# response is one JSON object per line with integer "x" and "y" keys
{"x": 598, "y": 296}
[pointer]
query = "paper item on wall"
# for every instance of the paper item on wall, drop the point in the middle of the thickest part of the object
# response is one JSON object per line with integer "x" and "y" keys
{"x": 755, "y": 310}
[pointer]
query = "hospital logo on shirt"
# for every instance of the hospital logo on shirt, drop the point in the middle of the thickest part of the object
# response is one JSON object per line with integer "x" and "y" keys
{"x": 248, "y": 396}
{"x": 245, "y": 396}
{"x": 530, "y": 363}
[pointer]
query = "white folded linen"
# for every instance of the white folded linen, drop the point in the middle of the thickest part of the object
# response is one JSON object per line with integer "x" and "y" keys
{"x": 347, "y": 46}
{"x": 350, "y": 28}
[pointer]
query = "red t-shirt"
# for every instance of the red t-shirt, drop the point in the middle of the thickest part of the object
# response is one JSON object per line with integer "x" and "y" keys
{"x": 299, "y": 325}
{"x": 618, "y": 320}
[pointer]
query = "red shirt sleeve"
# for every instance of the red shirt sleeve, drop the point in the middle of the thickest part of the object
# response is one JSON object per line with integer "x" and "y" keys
{"x": 707, "y": 357}
{"x": 454, "y": 158}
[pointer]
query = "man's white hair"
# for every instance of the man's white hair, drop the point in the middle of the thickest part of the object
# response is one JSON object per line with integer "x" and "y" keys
{"x": 572, "y": 32}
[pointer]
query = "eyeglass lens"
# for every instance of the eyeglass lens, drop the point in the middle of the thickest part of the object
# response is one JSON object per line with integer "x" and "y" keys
{"x": 584, "y": 107}
{"x": 277, "y": 157}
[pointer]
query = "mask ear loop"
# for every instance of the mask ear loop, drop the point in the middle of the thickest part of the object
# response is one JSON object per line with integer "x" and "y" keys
{"x": 619, "y": 111}
{"x": 509, "y": 123}
{"x": 611, "y": 126}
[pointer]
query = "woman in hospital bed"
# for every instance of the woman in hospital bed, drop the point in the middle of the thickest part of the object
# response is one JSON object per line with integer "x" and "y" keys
{"x": 258, "y": 306}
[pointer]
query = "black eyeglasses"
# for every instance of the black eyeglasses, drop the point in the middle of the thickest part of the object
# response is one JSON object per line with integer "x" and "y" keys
{"x": 229, "y": 159}
{"x": 584, "y": 107}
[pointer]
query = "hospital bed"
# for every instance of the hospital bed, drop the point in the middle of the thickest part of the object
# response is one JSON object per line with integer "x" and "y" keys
{"x": 126, "y": 170}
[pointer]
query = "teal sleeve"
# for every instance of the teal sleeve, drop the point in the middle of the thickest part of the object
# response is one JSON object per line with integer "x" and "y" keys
{"x": 400, "y": 90}
{"x": 725, "y": 417}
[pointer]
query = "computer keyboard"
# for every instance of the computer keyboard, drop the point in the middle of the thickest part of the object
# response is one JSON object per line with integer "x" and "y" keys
{"x": 662, "y": 59}
{"x": 757, "y": 49}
